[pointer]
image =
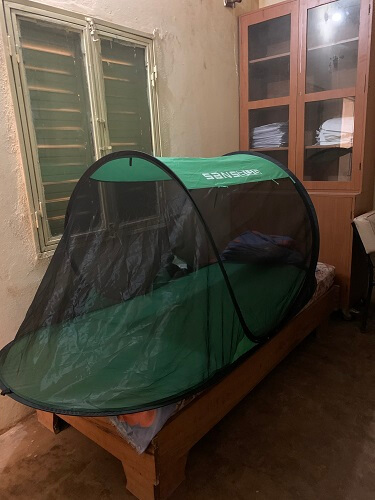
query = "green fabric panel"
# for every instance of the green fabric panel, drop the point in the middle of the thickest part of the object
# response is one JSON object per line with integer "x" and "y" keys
{"x": 195, "y": 173}
{"x": 271, "y": 293}
{"x": 121, "y": 357}
{"x": 224, "y": 171}
{"x": 129, "y": 170}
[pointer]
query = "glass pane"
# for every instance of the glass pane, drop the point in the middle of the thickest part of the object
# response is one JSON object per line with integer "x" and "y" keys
{"x": 329, "y": 127}
{"x": 269, "y": 127}
{"x": 269, "y": 79}
{"x": 59, "y": 102}
{"x": 332, "y": 46}
{"x": 126, "y": 95}
{"x": 269, "y": 38}
{"x": 269, "y": 59}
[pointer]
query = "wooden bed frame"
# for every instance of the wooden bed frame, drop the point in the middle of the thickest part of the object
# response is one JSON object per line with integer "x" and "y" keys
{"x": 157, "y": 472}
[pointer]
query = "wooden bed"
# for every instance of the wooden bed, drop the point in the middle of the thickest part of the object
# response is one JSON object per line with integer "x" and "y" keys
{"x": 156, "y": 473}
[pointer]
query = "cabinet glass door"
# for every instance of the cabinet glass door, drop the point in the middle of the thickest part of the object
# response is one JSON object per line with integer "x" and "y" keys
{"x": 328, "y": 92}
{"x": 269, "y": 59}
{"x": 329, "y": 127}
{"x": 332, "y": 46}
{"x": 269, "y": 47}
{"x": 269, "y": 132}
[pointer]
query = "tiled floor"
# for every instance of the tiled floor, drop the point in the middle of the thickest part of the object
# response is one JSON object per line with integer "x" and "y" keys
{"x": 306, "y": 432}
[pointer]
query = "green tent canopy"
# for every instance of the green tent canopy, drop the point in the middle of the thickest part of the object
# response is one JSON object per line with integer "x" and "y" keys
{"x": 169, "y": 272}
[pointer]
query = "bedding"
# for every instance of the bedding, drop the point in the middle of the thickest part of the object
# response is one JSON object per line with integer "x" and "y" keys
{"x": 140, "y": 428}
{"x": 325, "y": 277}
{"x": 253, "y": 246}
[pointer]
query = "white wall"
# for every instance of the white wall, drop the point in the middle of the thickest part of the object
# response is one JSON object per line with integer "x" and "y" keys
{"x": 196, "y": 44}
{"x": 266, "y": 3}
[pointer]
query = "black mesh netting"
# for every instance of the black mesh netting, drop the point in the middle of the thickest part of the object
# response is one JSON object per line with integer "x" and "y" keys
{"x": 167, "y": 274}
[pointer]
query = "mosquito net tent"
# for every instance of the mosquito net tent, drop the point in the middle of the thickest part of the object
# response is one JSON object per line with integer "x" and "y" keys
{"x": 169, "y": 272}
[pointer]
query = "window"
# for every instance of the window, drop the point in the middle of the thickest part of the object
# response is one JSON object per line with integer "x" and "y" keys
{"x": 82, "y": 89}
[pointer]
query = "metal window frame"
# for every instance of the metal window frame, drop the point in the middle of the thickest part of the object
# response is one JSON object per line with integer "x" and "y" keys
{"x": 98, "y": 33}
{"x": 88, "y": 27}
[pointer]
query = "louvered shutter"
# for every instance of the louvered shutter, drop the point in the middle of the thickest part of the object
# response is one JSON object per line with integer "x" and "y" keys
{"x": 126, "y": 96}
{"x": 78, "y": 97}
{"x": 129, "y": 118}
{"x": 56, "y": 84}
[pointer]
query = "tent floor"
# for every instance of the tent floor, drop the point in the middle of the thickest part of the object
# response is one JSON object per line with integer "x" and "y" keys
{"x": 160, "y": 470}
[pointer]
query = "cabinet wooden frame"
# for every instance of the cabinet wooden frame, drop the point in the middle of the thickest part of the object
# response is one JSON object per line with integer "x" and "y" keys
{"x": 336, "y": 202}
{"x": 267, "y": 14}
{"x": 359, "y": 92}
{"x": 298, "y": 96}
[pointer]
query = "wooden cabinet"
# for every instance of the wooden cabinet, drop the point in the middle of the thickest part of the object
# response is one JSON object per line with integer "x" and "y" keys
{"x": 308, "y": 100}
{"x": 269, "y": 54}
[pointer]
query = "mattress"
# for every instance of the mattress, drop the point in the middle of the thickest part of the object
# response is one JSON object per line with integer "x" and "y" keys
{"x": 140, "y": 428}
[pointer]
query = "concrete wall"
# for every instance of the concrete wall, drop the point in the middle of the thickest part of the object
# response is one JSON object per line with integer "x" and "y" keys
{"x": 197, "y": 55}
{"x": 266, "y": 3}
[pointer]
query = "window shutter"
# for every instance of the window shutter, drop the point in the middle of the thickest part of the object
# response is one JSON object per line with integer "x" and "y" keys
{"x": 129, "y": 118}
{"x": 126, "y": 96}
{"x": 81, "y": 87}
{"x": 52, "y": 58}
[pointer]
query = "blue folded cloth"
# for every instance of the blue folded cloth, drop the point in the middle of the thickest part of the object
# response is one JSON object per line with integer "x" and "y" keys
{"x": 253, "y": 246}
